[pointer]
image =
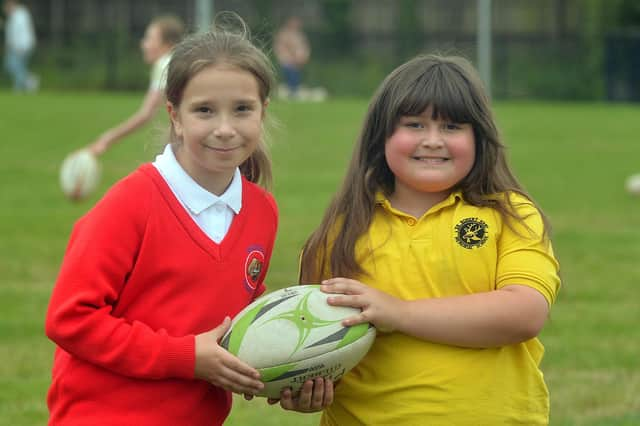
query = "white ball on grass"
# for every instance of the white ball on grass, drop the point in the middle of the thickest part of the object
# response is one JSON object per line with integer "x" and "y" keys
{"x": 633, "y": 184}
{"x": 79, "y": 175}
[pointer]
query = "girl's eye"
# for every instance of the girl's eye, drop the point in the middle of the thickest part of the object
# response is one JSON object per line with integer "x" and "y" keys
{"x": 244, "y": 108}
{"x": 413, "y": 124}
{"x": 203, "y": 109}
{"x": 452, "y": 126}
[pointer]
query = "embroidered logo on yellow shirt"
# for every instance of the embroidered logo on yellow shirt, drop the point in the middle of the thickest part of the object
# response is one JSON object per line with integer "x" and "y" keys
{"x": 471, "y": 233}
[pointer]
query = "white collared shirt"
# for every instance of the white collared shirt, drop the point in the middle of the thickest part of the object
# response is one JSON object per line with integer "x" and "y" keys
{"x": 213, "y": 214}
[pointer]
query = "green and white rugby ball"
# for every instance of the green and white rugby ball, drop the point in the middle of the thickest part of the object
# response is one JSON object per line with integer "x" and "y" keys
{"x": 292, "y": 335}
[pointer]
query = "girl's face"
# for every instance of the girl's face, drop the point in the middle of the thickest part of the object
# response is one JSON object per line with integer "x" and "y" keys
{"x": 219, "y": 124}
{"x": 429, "y": 156}
{"x": 152, "y": 45}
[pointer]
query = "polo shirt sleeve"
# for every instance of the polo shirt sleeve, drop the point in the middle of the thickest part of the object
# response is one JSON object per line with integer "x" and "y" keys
{"x": 525, "y": 253}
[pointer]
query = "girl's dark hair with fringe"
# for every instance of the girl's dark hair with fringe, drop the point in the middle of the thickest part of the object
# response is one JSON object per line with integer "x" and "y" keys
{"x": 228, "y": 42}
{"x": 452, "y": 87}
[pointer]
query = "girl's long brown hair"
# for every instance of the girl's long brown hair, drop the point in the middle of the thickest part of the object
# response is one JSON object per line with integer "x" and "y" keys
{"x": 453, "y": 88}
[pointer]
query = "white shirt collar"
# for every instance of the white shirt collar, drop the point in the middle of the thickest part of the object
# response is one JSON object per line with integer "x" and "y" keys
{"x": 194, "y": 197}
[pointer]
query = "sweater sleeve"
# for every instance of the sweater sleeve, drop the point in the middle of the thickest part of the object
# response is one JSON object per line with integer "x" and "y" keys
{"x": 100, "y": 255}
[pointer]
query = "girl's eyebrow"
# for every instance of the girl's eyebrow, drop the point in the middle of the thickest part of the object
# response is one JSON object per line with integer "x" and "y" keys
{"x": 247, "y": 101}
{"x": 196, "y": 100}
{"x": 205, "y": 100}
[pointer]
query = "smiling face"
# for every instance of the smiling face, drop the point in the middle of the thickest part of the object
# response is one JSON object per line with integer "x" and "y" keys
{"x": 429, "y": 155}
{"x": 219, "y": 124}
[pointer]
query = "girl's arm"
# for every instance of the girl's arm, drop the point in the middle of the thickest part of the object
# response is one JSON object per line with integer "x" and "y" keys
{"x": 511, "y": 314}
{"x": 152, "y": 101}
{"x": 526, "y": 284}
{"x": 101, "y": 255}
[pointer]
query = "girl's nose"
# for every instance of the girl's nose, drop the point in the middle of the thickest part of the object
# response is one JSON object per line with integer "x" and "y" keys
{"x": 224, "y": 130}
{"x": 432, "y": 139}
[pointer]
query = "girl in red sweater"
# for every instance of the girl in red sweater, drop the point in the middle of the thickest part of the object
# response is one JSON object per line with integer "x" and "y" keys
{"x": 153, "y": 273}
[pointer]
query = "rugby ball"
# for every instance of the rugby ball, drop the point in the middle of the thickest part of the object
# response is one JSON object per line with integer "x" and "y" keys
{"x": 632, "y": 184}
{"x": 79, "y": 174}
{"x": 292, "y": 335}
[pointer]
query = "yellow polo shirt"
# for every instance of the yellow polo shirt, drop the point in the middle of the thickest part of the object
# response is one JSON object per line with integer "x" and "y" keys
{"x": 454, "y": 249}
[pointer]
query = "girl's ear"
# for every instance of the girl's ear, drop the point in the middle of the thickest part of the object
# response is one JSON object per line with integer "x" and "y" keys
{"x": 175, "y": 119}
{"x": 265, "y": 104}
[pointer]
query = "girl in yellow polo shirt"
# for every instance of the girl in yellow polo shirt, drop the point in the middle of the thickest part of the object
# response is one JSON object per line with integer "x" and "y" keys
{"x": 447, "y": 255}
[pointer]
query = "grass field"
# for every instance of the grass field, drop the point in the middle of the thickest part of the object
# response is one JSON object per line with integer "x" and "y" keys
{"x": 572, "y": 157}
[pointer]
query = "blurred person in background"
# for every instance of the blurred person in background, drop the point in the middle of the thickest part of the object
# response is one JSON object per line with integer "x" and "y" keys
{"x": 161, "y": 35}
{"x": 20, "y": 39}
{"x": 292, "y": 50}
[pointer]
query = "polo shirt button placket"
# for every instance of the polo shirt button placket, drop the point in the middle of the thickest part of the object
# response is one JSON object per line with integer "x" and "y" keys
{"x": 411, "y": 221}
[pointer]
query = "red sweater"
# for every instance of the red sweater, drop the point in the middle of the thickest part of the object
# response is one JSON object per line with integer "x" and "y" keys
{"x": 138, "y": 281}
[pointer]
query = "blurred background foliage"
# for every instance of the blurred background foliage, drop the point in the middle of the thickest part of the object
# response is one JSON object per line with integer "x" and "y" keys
{"x": 545, "y": 49}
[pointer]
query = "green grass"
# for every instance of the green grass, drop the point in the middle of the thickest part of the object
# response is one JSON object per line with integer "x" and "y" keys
{"x": 572, "y": 157}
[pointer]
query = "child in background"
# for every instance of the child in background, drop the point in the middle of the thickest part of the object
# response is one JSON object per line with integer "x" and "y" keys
{"x": 432, "y": 236}
{"x": 153, "y": 273}
{"x": 20, "y": 42}
{"x": 161, "y": 35}
{"x": 292, "y": 50}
